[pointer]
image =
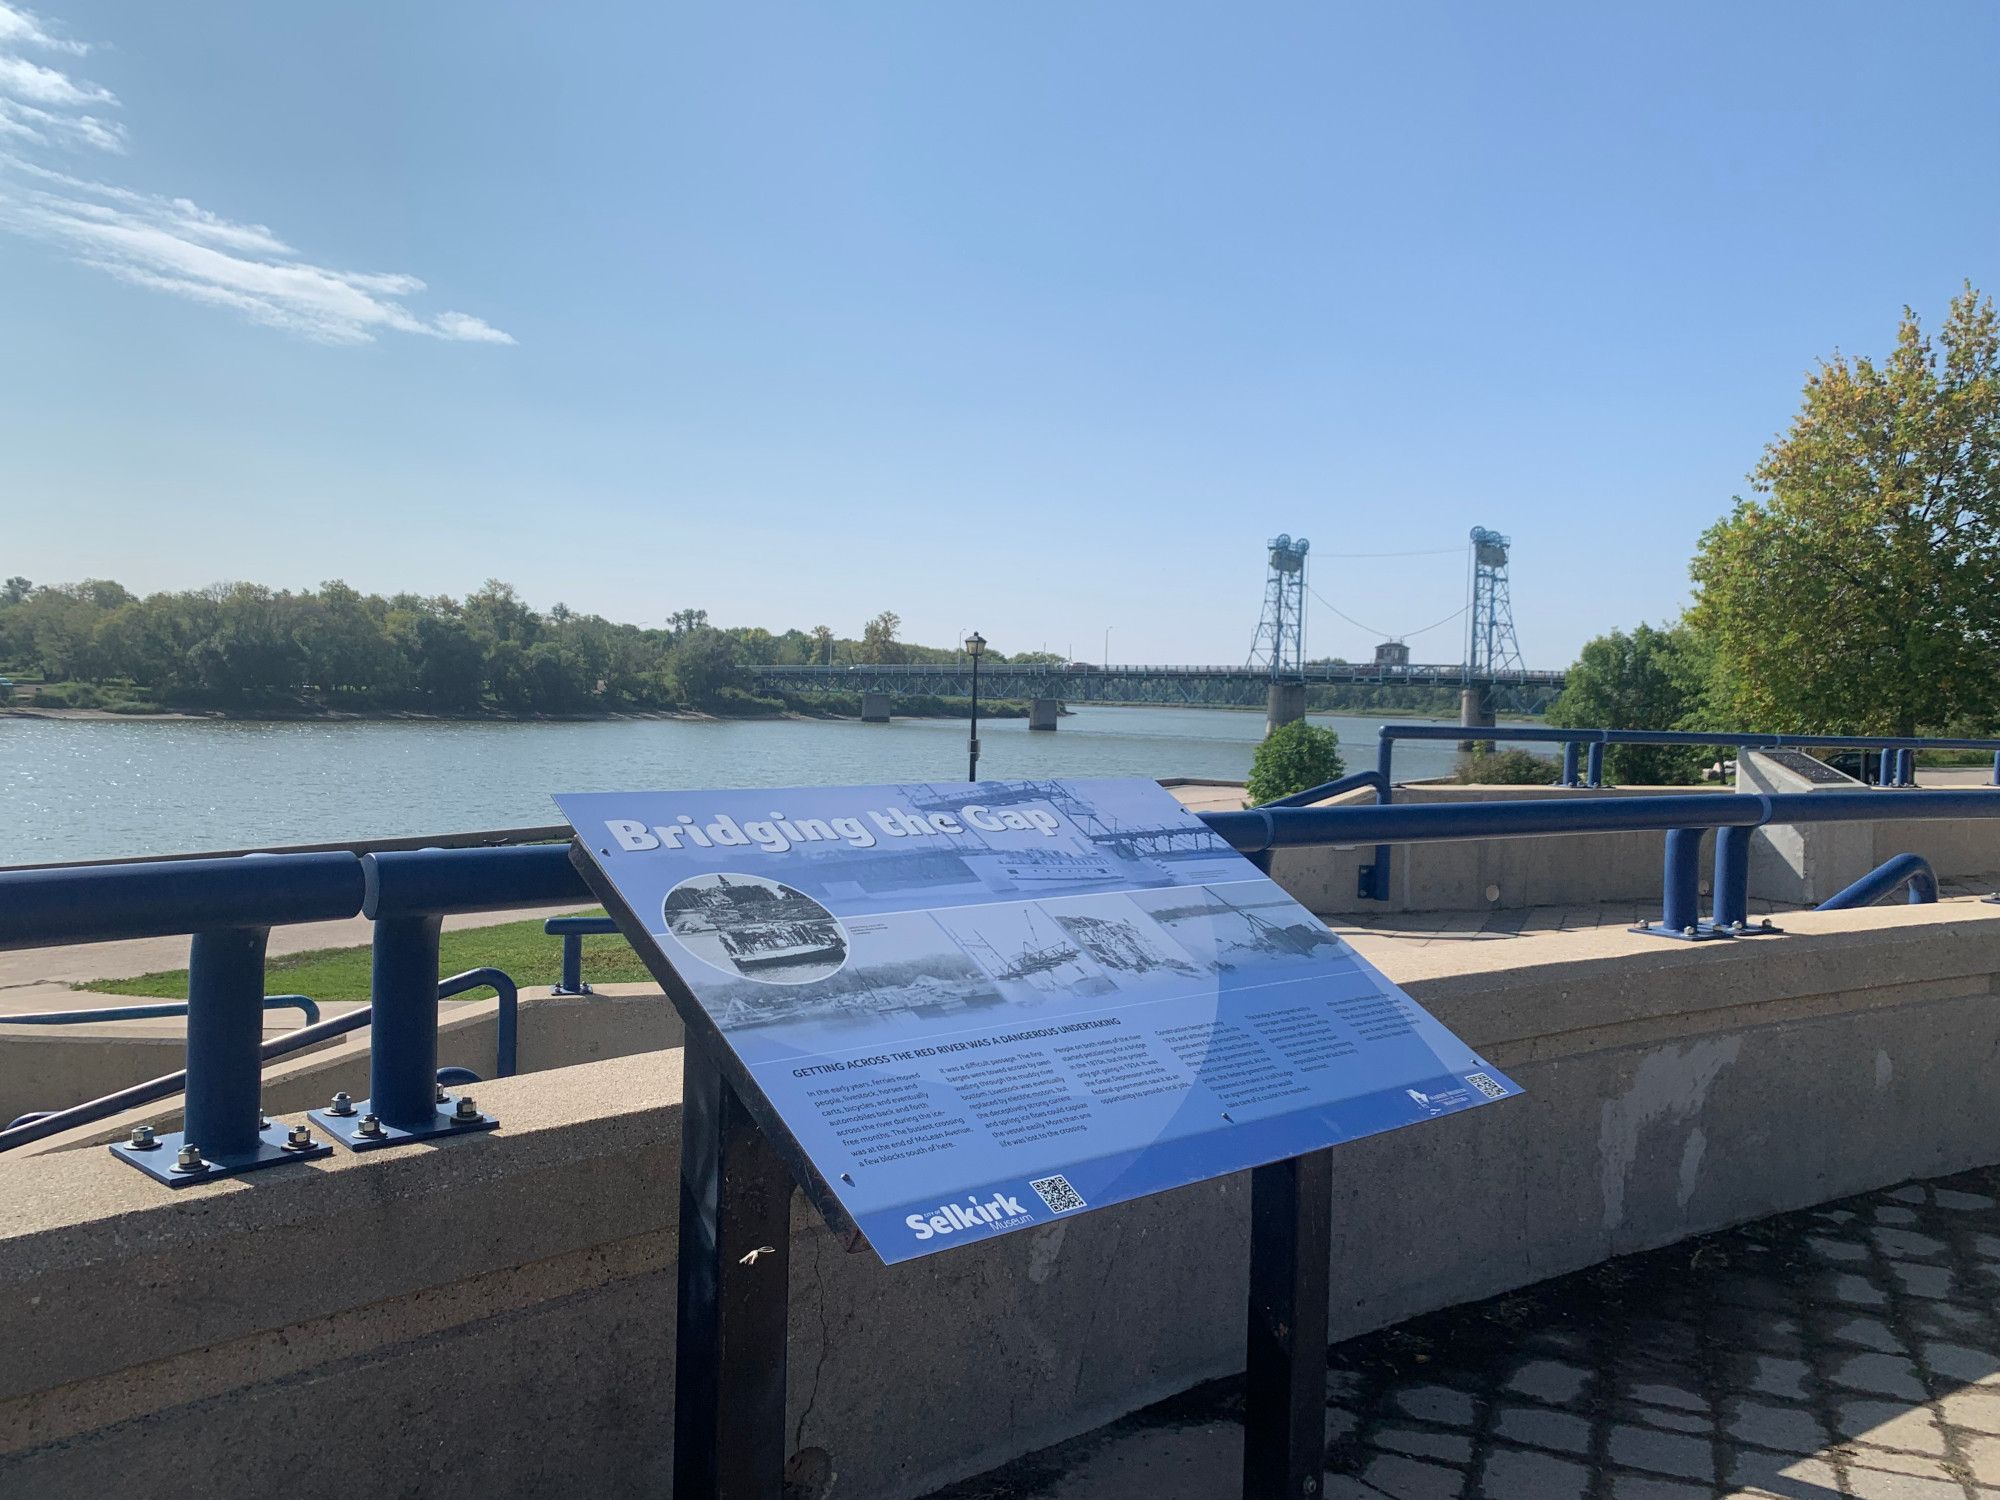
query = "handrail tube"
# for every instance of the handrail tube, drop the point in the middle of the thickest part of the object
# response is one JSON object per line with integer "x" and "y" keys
{"x": 435, "y": 881}
{"x": 507, "y": 1024}
{"x": 484, "y": 838}
{"x": 1752, "y": 739}
{"x": 1912, "y": 870}
{"x": 1351, "y": 782}
{"x": 1257, "y": 829}
{"x": 103, "y": 903}
{"x": 84, "y": 1017}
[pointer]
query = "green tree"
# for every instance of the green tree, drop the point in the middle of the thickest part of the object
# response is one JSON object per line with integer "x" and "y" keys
{"x": 1293, "y": 757}
{"x": 704, "y": 663}
{"x": 1648, "y": 679}
{"x": 1857, "y": 594}
{"x": 878, "y": 639}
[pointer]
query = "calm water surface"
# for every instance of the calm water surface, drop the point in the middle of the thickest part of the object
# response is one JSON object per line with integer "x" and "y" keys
{"x": 92, "y": 789}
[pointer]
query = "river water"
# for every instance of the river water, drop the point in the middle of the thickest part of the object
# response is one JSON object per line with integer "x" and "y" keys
{"x": 99, "y": 789}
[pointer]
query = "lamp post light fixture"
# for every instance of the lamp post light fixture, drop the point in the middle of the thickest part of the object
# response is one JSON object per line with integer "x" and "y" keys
{"x": 975, "y": 647}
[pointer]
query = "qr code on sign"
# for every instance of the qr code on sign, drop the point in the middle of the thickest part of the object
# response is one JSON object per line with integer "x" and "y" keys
{"x": 1486, "y": 1085}
{"x": 1058, "y": 1194}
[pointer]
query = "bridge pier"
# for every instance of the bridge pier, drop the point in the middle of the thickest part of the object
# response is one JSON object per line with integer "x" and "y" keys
{"x": 874, "y": 708}
{"x": 1476, "y": 711}
{"x": 1042, "y": 713}
{"x": 1286, "y": 704}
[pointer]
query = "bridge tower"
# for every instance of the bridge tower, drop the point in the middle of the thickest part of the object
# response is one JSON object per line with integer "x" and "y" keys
{"x": 1280, "y": 646}
{"x": 1492, "y": 650}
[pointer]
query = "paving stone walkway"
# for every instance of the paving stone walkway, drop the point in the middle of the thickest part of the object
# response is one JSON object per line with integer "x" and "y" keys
{"x": 1847, "y": 1351}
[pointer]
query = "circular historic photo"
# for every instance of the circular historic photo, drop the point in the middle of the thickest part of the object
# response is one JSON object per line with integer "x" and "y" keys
{"x": 756, "y": 928}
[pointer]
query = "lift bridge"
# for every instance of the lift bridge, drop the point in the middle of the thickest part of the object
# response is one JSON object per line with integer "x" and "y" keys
{"x": 1277, "y": 674}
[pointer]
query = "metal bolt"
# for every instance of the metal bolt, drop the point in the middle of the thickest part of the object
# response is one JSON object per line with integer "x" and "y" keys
{"x": 190, "y": 1159}
{"x": 442, "y": 1095}
{"x": 1309, "y": 1485}
{"x": 466, "y": 1109}
{"x": 299, "y": 1138}
{"x": 370, "y": 1125}
{"x": 143, "y": 1139}
{"x": 342, "y": 1104}
{"x": 1765, "y": 924}
{"x": 1687, "y": 932}
{"x": 263, "y": 1120}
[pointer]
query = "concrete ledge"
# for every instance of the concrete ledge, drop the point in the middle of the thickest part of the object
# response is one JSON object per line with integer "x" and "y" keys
{"x": 494, "y": 1314}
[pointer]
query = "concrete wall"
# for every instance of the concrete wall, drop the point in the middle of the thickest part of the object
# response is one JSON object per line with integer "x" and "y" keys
{"x": 1481, "y": 874}
{"x": 492, "y": 1316}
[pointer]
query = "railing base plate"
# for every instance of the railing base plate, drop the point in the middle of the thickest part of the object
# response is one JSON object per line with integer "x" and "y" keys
{"x": 1758, "y": 928}
{"x": 1700, "y": 934}
{"x": 157, "y": 1162}
{"x": 1705, "y": 930}
{"x": 346, "y": 1129}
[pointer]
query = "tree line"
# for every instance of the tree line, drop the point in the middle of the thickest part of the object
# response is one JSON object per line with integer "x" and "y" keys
{"x": 247, "y": 647}
{"x": 1857, "y": 589}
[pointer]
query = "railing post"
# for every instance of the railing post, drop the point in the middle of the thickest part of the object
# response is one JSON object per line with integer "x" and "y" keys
{"x": 225, "y": 1033}
{"x": 1996, "y": 768}
{"x": 1680, "y": 894}
{"x": 405, "y": 895}
{"x": 1906, "y": 768}
{"x": 223, "y": 1129}
{"x": 1569, "y": 763}
{"x": 1594, "y": 776}
{"x": 1732, "y": 877}
{"x": 572, "y": 964}
{"x": 402, "y": 1059}
{"x": 1375, "y": 877}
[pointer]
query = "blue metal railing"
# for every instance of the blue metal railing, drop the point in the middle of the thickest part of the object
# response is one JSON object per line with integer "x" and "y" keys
{"x": 1911, "y": 870}
{"x": 165, "y": 1009}
{"x": 572, "y": 931}
{"x": 1896, "y": 759}
{"x": 228, "y": 904}
{"x": 53, "y": 1122}
{"x": 1352, "y": 782}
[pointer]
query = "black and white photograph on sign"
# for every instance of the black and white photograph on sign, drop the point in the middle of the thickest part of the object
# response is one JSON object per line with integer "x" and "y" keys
{"x": 756, "y": 928}
{"x": 1250, "y": 923}
{"x": 1025, "y": 951}
{"x": 1125, "y": 942}
{"x": 898, "y": 967}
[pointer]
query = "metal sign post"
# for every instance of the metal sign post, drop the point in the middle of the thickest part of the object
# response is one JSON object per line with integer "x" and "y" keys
{"x": 1284, "y": 1373}
{"x": 735, "y": 1264}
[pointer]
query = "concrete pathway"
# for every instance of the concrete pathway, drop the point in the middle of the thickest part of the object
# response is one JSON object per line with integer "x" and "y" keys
{"x": 1850, "y": 1352}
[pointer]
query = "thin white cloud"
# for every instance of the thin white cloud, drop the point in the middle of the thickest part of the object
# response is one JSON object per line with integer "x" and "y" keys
{"x": 18, "y": 28}
{"x": 172, "y": 244}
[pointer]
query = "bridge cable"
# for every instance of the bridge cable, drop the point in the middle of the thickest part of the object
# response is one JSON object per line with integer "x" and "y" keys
{"x": 1385, "y": 634}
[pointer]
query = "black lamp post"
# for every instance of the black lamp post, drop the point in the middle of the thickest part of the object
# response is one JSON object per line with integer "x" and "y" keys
{"x": 975, "y": 647}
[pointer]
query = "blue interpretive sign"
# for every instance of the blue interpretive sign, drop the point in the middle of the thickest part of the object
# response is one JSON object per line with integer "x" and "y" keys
{"x": 974, "y": 1007}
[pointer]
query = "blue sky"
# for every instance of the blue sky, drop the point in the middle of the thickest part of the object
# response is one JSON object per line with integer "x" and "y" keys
{"x": 1031, "y": 319}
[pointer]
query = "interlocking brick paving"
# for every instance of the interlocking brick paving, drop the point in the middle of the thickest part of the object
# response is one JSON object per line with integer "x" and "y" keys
{"x": 1851, "y": 1350}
